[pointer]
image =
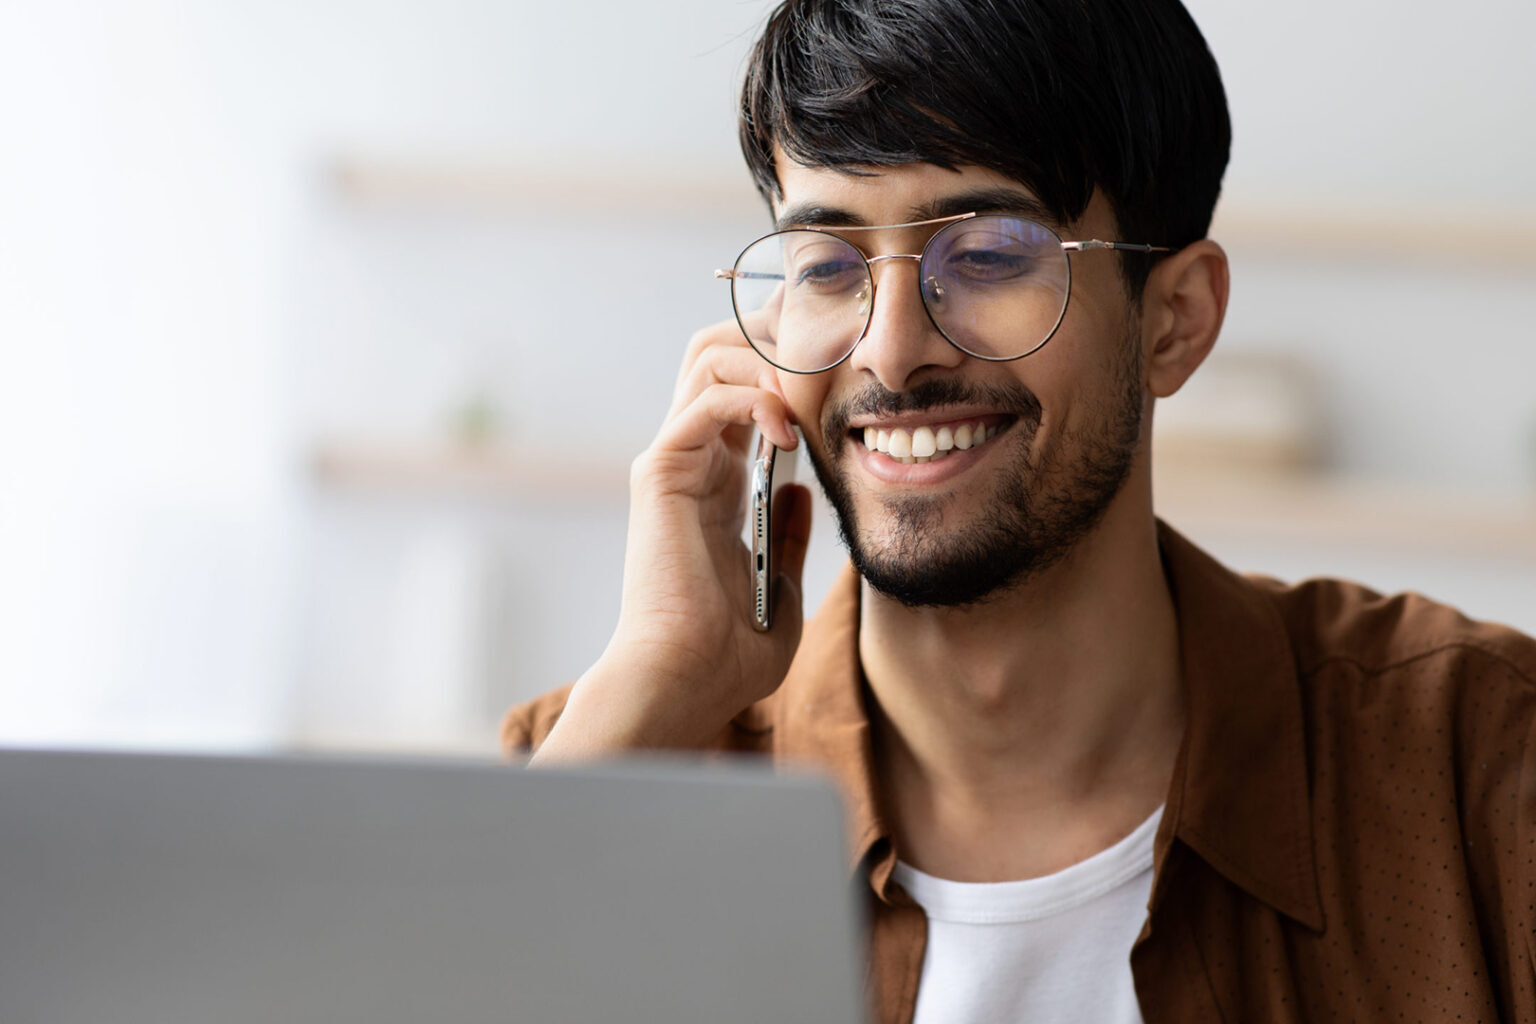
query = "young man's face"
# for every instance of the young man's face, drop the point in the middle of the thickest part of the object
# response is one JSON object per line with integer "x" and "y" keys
{"x": 1064, "y": 423}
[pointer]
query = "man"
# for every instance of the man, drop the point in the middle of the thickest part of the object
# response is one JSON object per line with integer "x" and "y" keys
{"x": 1091, "y": 774}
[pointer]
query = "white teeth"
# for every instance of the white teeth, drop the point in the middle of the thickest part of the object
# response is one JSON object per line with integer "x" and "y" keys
{"x": 923, "y": 442}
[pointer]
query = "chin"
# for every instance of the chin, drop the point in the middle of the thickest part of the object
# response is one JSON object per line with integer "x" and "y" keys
{"x": 925, "y": 551}
{"x": 925, "y": 560}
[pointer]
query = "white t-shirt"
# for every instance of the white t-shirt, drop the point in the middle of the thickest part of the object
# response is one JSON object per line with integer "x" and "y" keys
{"x": 1041, "y": 950}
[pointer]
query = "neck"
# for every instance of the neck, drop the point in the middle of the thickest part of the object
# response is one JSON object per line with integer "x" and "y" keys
{"x": 1023, "y": 734}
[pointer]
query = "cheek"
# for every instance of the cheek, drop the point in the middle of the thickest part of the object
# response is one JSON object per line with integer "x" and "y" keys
{"x": 1084, "y": 364}
{"x": 1052, "y": 376}
{"x": 1067, "y": 383}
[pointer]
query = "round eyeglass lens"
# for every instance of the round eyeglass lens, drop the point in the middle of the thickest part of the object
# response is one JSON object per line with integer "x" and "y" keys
{"x": 995, "y": 286}
{"x": 802, "y": 298}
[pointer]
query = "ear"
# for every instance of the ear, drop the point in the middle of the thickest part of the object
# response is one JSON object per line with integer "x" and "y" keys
{"x": 1182, "y": 307}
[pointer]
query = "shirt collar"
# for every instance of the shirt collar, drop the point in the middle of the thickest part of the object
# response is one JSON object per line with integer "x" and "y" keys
{"x": 1239, "y": 794}
{"x": 1241, "y": 786}
{"x": 820, "y": 718}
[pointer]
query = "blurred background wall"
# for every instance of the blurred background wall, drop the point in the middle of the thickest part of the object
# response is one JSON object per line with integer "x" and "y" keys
{"x": 329, "y": 329}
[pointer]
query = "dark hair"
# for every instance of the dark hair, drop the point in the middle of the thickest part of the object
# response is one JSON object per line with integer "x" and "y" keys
{"x": 1061, "y": 95}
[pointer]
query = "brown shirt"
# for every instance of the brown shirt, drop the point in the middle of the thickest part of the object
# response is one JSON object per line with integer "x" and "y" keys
{"x": 1350, "y": 831}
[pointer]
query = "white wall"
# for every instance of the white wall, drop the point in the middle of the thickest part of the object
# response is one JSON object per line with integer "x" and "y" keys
{"x": 148, "y": 514}
{"x": 1380, "y": 103}
{"x": 187, "y": 303}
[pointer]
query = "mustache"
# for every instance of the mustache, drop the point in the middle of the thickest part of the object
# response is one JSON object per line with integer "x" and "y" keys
{"x": 875, "y": 399}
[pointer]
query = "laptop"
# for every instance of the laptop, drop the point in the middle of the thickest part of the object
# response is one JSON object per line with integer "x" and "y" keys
{"x": 149, "y": 889}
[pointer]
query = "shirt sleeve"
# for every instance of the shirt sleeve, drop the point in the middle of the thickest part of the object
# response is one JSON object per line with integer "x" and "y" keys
{"x": 525, "y": 726}
{"x": 1498, "y": 719}
{"x": 1525, "y": 835}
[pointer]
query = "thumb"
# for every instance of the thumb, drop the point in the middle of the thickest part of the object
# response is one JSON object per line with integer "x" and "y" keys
{"x": 791, "y": 538}
{"x": 791, "y": 530}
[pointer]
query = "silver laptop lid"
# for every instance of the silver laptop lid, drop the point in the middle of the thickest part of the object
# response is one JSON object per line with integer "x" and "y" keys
{"x": 162, "y": 889}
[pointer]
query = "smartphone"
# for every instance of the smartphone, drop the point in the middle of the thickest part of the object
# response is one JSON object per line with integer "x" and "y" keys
{"x": 770, "y": 471}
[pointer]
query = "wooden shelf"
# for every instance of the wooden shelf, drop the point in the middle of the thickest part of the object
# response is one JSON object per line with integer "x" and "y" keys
{"x": 1278, "y": 504}
{"x": 1321, "y": 509}
{"x": 489, "y": 469}
{"x": 1337, "y": 227}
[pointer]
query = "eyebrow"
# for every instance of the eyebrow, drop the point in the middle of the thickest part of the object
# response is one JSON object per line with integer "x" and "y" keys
{"x": 993, "y": 199}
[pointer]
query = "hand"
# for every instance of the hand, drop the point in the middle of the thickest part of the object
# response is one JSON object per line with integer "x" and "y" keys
{"x": 685, "y": 658}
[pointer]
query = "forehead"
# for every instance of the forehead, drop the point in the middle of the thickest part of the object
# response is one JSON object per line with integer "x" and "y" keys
{"x": 896, "y": 195}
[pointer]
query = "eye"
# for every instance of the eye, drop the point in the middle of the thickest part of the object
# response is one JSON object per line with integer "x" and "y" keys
{"x": 990, "y": 263}
{"x": 994, "y": 250}
{"x": 830, "y": 274}
{"x": 819, "y": 264}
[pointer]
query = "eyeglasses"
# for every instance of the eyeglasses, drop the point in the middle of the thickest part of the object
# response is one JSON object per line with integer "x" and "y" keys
{"x": 995, "y": 286}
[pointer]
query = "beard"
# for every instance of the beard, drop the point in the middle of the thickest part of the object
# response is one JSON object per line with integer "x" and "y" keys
{"x": 1042, "y": 507}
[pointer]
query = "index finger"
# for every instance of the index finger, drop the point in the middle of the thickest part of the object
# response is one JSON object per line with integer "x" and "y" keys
{"x": 726, "y": 332}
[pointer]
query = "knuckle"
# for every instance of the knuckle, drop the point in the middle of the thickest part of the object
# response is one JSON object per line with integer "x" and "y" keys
{"x": 639, "y": 465}
{"x": 704, "y": 350}
{"x": 723, "y": 399}
{"x": 705, "y": 337}
{"x": 716, "y": 334}
{"x": 703, "y": 374}
{"x": 713, "y": 367}
{"x": 641, "y": 470}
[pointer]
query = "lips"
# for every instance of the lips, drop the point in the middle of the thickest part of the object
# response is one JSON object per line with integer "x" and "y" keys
{"x": 894, "y": 434}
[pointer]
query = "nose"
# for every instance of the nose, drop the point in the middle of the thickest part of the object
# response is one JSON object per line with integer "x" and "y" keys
{"x": 901, "y": 340}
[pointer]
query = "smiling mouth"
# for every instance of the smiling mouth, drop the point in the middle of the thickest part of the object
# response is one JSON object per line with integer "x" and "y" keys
{"x": 927, "y": 443}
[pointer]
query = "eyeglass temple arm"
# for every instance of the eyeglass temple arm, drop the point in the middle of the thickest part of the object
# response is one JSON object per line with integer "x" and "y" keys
{"x": 749, "y": 275}
{"x": 1095, "y": 243}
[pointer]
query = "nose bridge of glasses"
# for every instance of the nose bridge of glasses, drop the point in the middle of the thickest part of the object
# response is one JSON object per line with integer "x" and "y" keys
{"x": 894, "y": 256}
{"x": 899, "y": 332}
{"x": 867, "y": 301}
{"x": 901, "y": 292}
{"x": 886, "y": 257}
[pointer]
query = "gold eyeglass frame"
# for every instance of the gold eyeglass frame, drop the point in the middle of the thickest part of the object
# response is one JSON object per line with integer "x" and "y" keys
{"x": 1087, "y": 245}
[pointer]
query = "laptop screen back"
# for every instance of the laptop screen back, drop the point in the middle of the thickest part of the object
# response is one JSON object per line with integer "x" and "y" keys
{"x": 165, "y": 889}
